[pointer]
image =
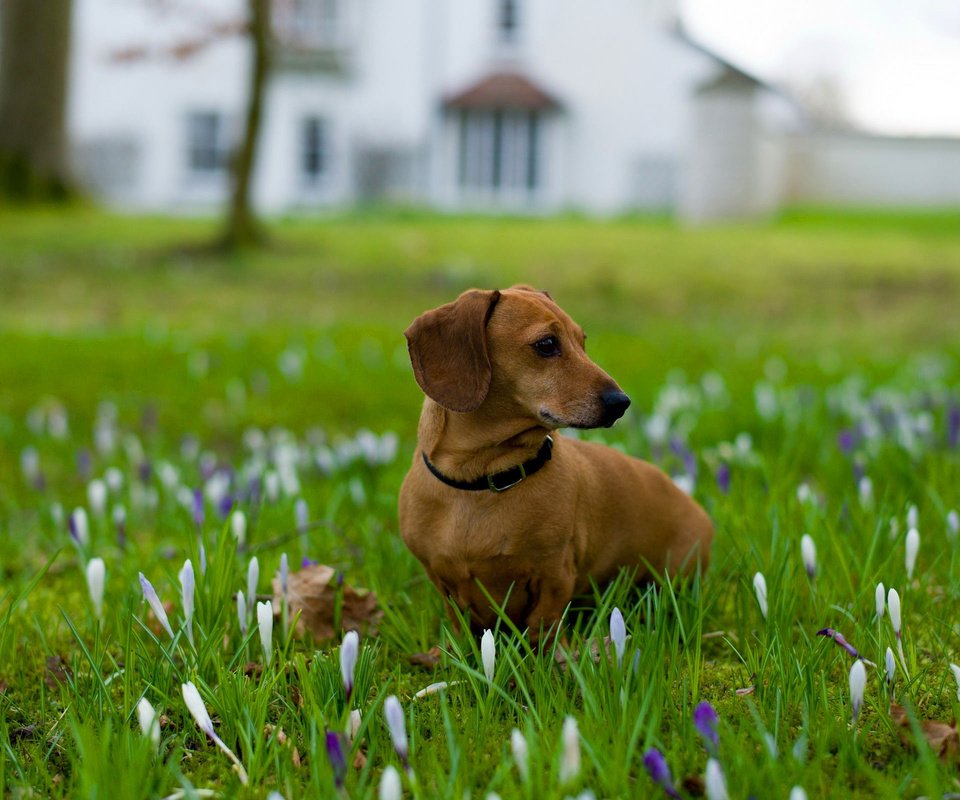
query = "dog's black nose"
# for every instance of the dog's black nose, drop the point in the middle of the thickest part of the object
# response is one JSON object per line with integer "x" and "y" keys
{"x": 614, "y": 404}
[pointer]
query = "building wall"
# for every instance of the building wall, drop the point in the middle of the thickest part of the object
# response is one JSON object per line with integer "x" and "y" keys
{"x": 846, "y": 169}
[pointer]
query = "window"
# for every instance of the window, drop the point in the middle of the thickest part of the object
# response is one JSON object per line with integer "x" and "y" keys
{"x": 207, "y": 149}
{"x": 313, "y": 150}
{"x": 306, "y": 23}
{"x": 508, "y": 21}
{"x": 500, "y": 151}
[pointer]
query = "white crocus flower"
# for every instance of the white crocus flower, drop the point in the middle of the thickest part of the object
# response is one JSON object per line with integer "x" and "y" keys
{"x": 253, "y": 579}
{"x": 893, "y": 602}
{"x": 521, "y": 754}
{"x": 188, "y": 585}
{"x": 865, "y": 492}
{"x": 808, "y": 552}
{"x": 488, "y": 654}
{"x": 393, "y": 712}
{"x": 715, "y": 784}
{"x": 798, "y": 793}
{"x": 570, "y": 763}
{"x": 349, "y": 652}
{"x": 953, "y": 524}
{"x": 880, "y": 599}
{"x": 80, "y": 526}
{"x": 912, "y": 548}
{"x": 618, "y": 634}
{"x": 242, "y": 612}
{"x": 150, "y": 595}
{"x": 96, "y": 580}
{"x": 194, "y": 703}
{"x": 913, "y": 516}
{"x": 353, "y": 724}
{"x": 149, "y": 721}
{"x": 956, "y": 676}
{"x": 760, "y": 588}
{"x": 97, "y": 497}
{"x": 238, "y": 527}
{"x": 891, "y": 665}
{"x": 858, "y": 683}
{"x": 265, "y": 624}
{"x": 390, "y": 786}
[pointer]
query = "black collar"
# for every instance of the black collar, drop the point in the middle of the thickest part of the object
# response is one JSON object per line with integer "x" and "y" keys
{"x": 498, "y": 481}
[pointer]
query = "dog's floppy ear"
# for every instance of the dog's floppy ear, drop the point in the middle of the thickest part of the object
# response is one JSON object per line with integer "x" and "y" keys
{"x": 448, "y": 350}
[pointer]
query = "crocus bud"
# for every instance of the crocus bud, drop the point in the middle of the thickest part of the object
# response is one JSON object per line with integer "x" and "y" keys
{"x": 253, "y": 578}
{"x": 238, "y": 527}
{"x": 390, "y": 785}
{"x": 150, "y": 595}
{"x": 197, "y": 709}
{"x": 912, "y": 548}
{"x": 808, "y": 551}
{"x": 659, "y": 771}
{"x": 80, "y": 527}
{"x": 618, "y": 634}
{"x": 242, "y": 612}
{"x": 893, "y": 603}
{"x": 97, "y": 497}
{"x": 96, "y": 579}
{"x": 570, "y": 764}
{"x": 891, "y": 664}
{"x": 337, "y": 759}
{"x": 715, "y": 784}
{"x": 265, "y": 624}
{"x": 858, "y": 682}
{"x": 956, "y": 676}
{"x": 705, "y": 720}
{"x": 488, "y": 654}
{"x": 149, "y": 721}
{"x": 798, "y": 793}
{"x": 760, "y": 588}
{"x": 349, "y": 652}
{"x": 187, "y": 585}
{"x": 880, "y": 598}
{"x": 393, "y": 713}
{"x": 953, "y": 524}
{"x": 521, "y": 755}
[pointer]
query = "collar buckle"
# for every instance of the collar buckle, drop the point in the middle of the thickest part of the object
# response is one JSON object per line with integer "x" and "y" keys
{"x": 497, "y": 489}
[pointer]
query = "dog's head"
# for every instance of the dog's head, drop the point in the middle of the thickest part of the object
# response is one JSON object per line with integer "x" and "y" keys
{"x": 514, "y": 351}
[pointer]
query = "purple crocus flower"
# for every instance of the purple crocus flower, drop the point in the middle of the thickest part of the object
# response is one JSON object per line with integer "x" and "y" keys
{"x": 953, "y": 426}
{"x": 84, "y": 464}
{"x": 686, "y": 455}
{"x": 705, "y": 720}
{"x": 723, "y": 477}
{"x": 308, "y": 562}
{"x": 198, "y": 508}
{"x": 225, "y": 506}
{"x": 847, "y": 440}
{"x": 842, "y": 642}
{"x": 337, "y": 759}
{"x": 656, "y": 766}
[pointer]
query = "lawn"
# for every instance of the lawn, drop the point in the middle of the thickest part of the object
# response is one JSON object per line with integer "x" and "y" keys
{"x": 800, "y": 376}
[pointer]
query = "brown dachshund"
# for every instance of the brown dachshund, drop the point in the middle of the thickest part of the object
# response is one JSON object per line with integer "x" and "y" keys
{"x": 496, "y": 499}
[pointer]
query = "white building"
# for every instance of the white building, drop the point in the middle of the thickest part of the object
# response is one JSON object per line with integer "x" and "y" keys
{"x": 515, "y": 105}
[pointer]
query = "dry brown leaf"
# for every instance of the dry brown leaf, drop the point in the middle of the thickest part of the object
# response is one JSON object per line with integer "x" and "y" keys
{"x": 313, "y": 592}
{"x": 694, "y": 786}
{"x": 429, "y": 660}
{"x": 941, "y": 736}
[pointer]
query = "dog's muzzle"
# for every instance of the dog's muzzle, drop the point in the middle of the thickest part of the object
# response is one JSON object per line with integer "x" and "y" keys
{"x": 614, "y": 404}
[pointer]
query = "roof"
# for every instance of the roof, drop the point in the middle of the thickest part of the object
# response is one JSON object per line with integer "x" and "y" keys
{"x": 503, "y": 90}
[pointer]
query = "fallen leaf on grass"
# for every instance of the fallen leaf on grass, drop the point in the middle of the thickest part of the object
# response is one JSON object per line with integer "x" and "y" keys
{"x": 429, "y": 660}
{"x": 58, "y": 672}
{"x": 316, "y": 594}
{"x": 941, "y": 736}
{"x": 694, "y": 786}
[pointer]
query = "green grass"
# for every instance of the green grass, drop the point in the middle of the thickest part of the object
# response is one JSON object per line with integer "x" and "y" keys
{"x": 754, "y": 346}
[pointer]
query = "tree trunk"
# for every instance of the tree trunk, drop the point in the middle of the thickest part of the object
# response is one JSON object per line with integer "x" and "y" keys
{"x": 242, "y": 228}
{"x": 34, "y": 65}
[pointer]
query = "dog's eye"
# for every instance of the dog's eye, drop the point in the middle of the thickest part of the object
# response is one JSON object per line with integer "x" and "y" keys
{"x": 547, "y": 347}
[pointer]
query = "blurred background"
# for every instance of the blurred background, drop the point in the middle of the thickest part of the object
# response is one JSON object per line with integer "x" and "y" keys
{"x": 700, "y": 110}
{"x": 197, "y": 194}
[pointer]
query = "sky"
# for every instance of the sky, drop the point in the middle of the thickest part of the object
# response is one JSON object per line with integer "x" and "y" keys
{"x": 892, "y": 65}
